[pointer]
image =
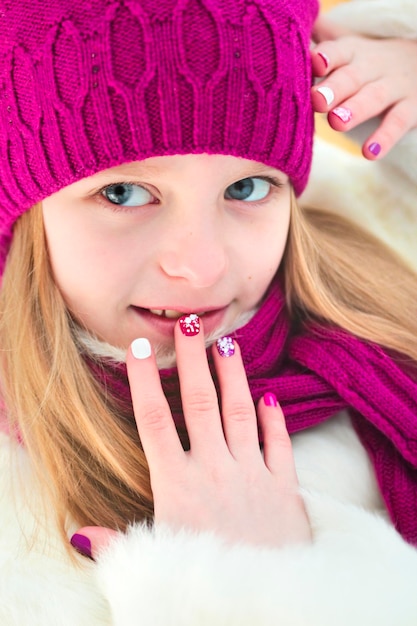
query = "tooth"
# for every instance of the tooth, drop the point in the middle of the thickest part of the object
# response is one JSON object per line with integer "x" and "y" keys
{"x": 172, "y": 314}
{"x": 157, "y": 312}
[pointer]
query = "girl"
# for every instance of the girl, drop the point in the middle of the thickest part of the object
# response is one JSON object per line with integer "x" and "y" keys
{"x": 151, "y": 155}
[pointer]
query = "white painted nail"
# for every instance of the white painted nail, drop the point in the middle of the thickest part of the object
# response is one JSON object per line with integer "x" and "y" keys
{"x": 141, "y": 348}
{"x": 327, "y": 94}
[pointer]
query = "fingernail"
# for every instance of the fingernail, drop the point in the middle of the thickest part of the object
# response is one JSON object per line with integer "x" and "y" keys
{"x": 225, "y": 346}
{"x": 343, "y": 114}
{"x": 141, "y": 348}
{"x": 327, "y": 94}
{"x": 374, "y": 148}
{"x": 325, "y": 58}
{"x": 82, "y": 544}
{"x": 189, "y": 324}
{"x": 270, "y": 399}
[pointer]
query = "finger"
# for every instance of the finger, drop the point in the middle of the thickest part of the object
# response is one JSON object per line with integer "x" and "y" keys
{"x": 277, "y": 448}
{"x": 91, "y": 540}
{"x": 198, "y": 392}
{"x": 395, "y": 124}
{"x": 238, "y": 411}
{"x": 325, "y": 29}
{"x": 155, "y": 424}
{"x": 372, "y": 100}
{"x": 332, "y": 55}
{"x": 344, "y": 83}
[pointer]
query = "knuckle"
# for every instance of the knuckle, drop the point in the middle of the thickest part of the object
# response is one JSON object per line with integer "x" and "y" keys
{"x": 240, "y": 413}
{"x": 153, "y": 418}
{"x": 201, "y": 402}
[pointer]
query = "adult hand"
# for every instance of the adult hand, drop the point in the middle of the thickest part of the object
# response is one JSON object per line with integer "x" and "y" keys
{"x": 364, "y": 78}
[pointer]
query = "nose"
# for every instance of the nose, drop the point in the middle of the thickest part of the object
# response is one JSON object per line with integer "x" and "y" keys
{"x": 195, "y": 252}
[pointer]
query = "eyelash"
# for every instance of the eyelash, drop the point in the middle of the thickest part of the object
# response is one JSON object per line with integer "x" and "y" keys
{"x": 98, "y": 194}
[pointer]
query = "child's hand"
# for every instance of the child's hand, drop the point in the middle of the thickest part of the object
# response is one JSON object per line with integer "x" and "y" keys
{"x": 364, "y": 78}
{"x": 223, "y": 484}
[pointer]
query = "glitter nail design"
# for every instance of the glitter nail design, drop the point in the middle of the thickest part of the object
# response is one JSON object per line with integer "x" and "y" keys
{"x": 343, "y": 114}
{"x": 189, "y": 324}
{"x": 225, "y": 346}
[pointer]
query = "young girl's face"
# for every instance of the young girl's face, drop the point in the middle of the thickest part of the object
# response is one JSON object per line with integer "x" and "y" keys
{"x": 135, "y": 246}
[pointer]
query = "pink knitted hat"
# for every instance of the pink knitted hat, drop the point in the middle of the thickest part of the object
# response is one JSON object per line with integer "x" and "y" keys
{"x": 90, "y": 84}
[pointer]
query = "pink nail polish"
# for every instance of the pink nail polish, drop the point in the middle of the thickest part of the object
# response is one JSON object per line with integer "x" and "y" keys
{"x": 189, "y": 324}
{"x": 225, "y": 346}
{"x": 374, "y": 148}
{"x": 270, "y": 399}
{"x": 82, "y": 544}
{"x": 343, "y": 114}
{"x": 325, "y": 58}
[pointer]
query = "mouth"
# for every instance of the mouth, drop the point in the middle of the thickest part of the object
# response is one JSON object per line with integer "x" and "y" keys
{"x": 163, "y": 320}
{"x": 171, "y": 314}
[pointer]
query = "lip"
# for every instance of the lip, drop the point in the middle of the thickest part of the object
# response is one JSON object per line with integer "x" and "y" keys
{"x": 212, "y": 318}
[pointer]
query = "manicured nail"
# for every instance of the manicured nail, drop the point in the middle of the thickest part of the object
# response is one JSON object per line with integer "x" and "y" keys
{"x": 325, "y": 58}
{"x": 374, "y": 148}
{"x": 82, "y": 544}
{"x": 270, "y": 399}
{"x": 189, "y": 324}
{"x": 141, "y": 348}
{"x": 225, "y": 346}
{"x": 327, "y": 94}
{"x": 343, "y": 114}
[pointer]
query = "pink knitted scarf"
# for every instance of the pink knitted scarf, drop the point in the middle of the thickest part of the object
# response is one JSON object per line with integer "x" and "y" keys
{"x": 315, "y": 373}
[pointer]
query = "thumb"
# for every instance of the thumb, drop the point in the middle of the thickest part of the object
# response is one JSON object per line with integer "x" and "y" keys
{"x": 324, "y": 30}
{"x": 91, "y": 540}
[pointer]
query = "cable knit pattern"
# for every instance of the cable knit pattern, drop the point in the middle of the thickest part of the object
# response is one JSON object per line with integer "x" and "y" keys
{"x": 90, "y": 84}
{"x": 316, "y": 373}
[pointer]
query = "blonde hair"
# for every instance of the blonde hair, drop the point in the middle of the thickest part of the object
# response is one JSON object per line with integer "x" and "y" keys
{"x": 85, "y": 448}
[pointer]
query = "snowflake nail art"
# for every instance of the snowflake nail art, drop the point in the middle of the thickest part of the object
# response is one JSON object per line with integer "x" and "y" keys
{"x": 189, "y": 324}
{"x": 225, "y": 346}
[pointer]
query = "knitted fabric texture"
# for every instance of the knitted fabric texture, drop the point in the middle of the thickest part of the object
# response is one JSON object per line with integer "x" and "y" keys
{"x": 315, "y": 373}
{"x": 90, "y": 84}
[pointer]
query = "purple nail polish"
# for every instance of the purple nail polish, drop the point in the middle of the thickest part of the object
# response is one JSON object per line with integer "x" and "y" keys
{"x": 189, "y": 324}
{"x": 343, "y": 113}
{"x": 270, "y": 399}
{"x": 225, "y": 346}
{"x": 82, "y": 544}
{"x": 374, "y": 148}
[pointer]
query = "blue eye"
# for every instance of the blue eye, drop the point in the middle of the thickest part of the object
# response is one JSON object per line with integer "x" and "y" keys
{"x": 248, "y": 190}
{"x": 127, "y": 194}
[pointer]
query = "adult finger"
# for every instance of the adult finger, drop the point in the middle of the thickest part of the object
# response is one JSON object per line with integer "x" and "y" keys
{"x": 395, "y": 124}
{"x": 373, "y": 99}
{"x": 325, "y": 29}
{"x": 238, "y": 411}
{"x": 198, "y": 392}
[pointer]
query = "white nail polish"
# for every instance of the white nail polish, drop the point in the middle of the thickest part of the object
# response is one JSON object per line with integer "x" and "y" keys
{"x": 141, "y": 348}
{"x": 327, "y": 94}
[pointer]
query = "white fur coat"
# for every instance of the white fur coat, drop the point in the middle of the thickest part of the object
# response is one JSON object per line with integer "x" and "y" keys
{"x": 357, "y": 572}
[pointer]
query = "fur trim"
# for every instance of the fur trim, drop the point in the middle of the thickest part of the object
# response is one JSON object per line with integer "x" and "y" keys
{"x": 378, "y": 18}
{"x": 155, "y": 577}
